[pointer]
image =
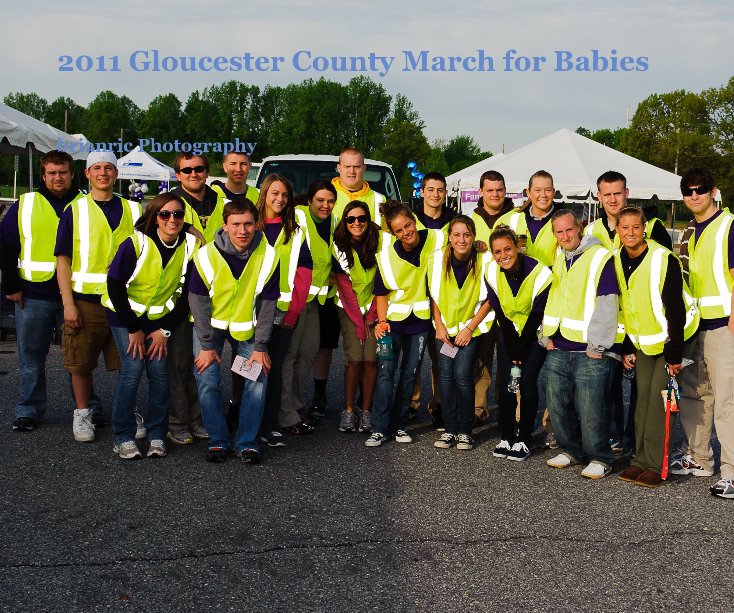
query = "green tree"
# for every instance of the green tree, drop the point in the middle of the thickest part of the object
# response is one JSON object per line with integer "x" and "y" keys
{"x": 65, "y": 112}
{"x": 30, "y": 104}
{"x": 162, "y": 120}
{"x": 462, "y": 151}
{"x": 368, "y": 107}
{"x": 402, "y": 142}
{"x": 109, "y": 113}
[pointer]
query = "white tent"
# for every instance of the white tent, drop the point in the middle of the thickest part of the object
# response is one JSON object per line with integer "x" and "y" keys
{"x": 575, "y": 163}
{"x": 139, "y": 165}
{"x": 21, "y": 133}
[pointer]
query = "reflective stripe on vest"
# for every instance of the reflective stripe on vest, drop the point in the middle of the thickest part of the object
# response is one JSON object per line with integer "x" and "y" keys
{"x": 362, "y": 280}
{"x": 288, "y": 262}
{"x": 517, "y": 308}
{"x": 89, "y": 265}
{"x": 585, "y": 273}
{"x": 544, "y": 248}
{"x": 710, "y": 281}
{"x": 320, "y": 254}
{"x": 599, "y": 229}
{"x": 459, "y": 304}
{"x": 372, "y": 199}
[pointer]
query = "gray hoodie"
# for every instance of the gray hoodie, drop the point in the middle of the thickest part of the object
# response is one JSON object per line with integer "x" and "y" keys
{"x": 603, "y": 325}
{"x": 201, "y": 306}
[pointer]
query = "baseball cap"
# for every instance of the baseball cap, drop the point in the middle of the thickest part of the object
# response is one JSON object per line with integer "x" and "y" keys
{"x": 101, "y": 156}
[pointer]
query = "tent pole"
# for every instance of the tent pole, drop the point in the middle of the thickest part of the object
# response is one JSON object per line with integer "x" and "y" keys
{"x": 15, "y": 177}
{"x": 30, "y": 168}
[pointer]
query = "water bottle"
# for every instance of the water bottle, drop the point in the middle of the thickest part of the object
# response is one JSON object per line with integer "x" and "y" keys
{"x": 514, "y": 385}
{"x": 384, "y": 344}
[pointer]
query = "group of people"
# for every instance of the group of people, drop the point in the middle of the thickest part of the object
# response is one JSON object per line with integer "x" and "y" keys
{"x": 160, "y": 291}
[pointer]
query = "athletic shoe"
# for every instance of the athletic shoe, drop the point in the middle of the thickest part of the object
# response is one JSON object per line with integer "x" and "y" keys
{"x": 98, "y": 419}
{"x": 465, "y": 442}
{"x": 348, "y": 421}
{"x": 216, "y": 455}
{"x": 550, "y": 441}
{"x": 686, "y": 465}
{"x": 199, "y": 432}
{"x": 560, "y": 461}
{"x": 24, "y": 424}
{"x": 127, "y": 450}
{"x": 273, "y": 438}
{"x": 596, "y": 470}
{"x": 83, "y": 427}
{"x": 156, "y": 449}
{"x": 446, "y": 441}
{"x": 501, "y": 450}
{"x": 375, "y": 440}
{"x": 140, "y": 431}
{"x": 365, "y": 421}
{"x": 318, "y": 407}
{"x": 723, "y": 488}
{"x": 180, "y": 437}
{"x": 248, "y": 456}
{"x": 519, "y": 452}
{"x": 401, "y": 436}
{"x": 300, "y": 429}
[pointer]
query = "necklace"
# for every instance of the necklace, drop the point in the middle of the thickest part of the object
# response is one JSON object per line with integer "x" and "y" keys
{"x": 166, "y": 245}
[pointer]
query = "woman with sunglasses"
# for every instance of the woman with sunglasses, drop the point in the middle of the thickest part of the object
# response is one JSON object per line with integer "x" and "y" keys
{"x": 145, "y": 283}
{"x": 461, "y": 314}
{"x": 404, "y": 313}
{"x": 518, "y": 290}
{"x": 356, "y": 242}
{"x": 277, "y": 220}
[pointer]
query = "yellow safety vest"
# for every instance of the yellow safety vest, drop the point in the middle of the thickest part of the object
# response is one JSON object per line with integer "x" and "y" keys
{"x": 544, "y": 248}
{"x": 233, "y": 300}
{"x": 363, "y": 280}
{"x": 407, "y": 283}
{"x": 458, "y": 306}
{"x": 371, "y": 198}
{"x": 288, "y": 264}
{"x": 38, "y": 224}
{"x": 517, "y": 308}
{"x": 708, "y": 267}
{"x": 599, "y": 229}
{"x": 643, "y": 310}
{"x": 320, "y": 254}
{"x": 151, "y": 288}
{"x": 95, "y": 244}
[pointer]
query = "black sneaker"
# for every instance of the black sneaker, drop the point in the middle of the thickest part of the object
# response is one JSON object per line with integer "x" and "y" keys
{"x": 464, "y": 442}
{"x": 274, "y": 438}
{"x": 24, "y": 424}
{"x": 98, "y": 419}
{"x": 319, "y": 406}
{"x": 248, "y": 456}
{"x": 216, "y": 455}
{"x": 518, "y": 452}
{"x": 300, "y": 429}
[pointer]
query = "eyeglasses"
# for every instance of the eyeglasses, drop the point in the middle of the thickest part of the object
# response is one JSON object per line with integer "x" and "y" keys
{"x": 189, "y": 169}
{"x": 353, "y": 218}
{"x": 166, "y": 215}
{"x": 688, "y": 191}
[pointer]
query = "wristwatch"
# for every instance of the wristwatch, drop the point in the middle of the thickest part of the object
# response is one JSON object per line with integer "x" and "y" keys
{"x": 165, "y": 333}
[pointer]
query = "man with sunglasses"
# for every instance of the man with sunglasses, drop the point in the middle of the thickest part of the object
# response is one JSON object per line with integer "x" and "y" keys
{"x": 89, "y": 233}
{"x": 202, "y": 203}
{"x": 707, "y": 386}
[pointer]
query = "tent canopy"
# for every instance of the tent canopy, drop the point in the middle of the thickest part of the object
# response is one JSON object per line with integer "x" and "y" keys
{"x": 139, "y": 165}
{"x": 575, "y": 163}
{"x": 19, "y": 131}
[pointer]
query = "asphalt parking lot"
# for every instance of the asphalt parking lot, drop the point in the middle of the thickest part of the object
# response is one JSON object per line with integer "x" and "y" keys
{"x": 326, "y": 524}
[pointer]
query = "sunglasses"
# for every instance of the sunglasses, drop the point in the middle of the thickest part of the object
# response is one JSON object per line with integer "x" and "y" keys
{"x": 166, "y": 215}
{"x": 350, "y": 219}
{"x": 688, "y": 191}
{"x": 189, "y": 169}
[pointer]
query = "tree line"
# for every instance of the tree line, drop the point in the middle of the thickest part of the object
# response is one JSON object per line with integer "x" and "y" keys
{"x": 314, "y": 116}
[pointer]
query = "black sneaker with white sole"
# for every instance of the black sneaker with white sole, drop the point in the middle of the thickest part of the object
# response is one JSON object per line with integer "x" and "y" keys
{"x": 518, "y": 452}
{"x": 24, "y": 424}
{"x": 274, "y": 438}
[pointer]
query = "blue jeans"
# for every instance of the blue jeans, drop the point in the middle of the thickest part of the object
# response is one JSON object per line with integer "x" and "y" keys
{"x": 34, "y": 328}
{"x": 390, "y": 408}
{"x": 575, "y": 387}
{"x": 126, "y": 392}
{"x": 209, "y": 388}
{"x": 456, "y": 382}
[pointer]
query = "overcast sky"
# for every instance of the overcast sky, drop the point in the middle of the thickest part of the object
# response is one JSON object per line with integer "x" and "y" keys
{"x": 688, "y": 45}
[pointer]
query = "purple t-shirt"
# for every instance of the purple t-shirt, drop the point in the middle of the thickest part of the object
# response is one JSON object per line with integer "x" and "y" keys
{"x": 716, "y": 322}
{"x": 536, "y": 225}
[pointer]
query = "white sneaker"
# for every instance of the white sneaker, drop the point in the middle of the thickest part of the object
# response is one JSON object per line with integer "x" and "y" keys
{"x": 127, "y": 450}
{"x": 401, "y": 436}
{"x": 156, "y": 449}
{"x": 560, "y": 461}
{"x": 83, "y": 427}
{"x": 141, "y": 432}
{"x": 596, "y": 470}
{"x": 375, "y": 440}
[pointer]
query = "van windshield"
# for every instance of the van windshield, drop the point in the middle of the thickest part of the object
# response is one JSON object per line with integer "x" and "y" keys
{"x": 301, "y": 172}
